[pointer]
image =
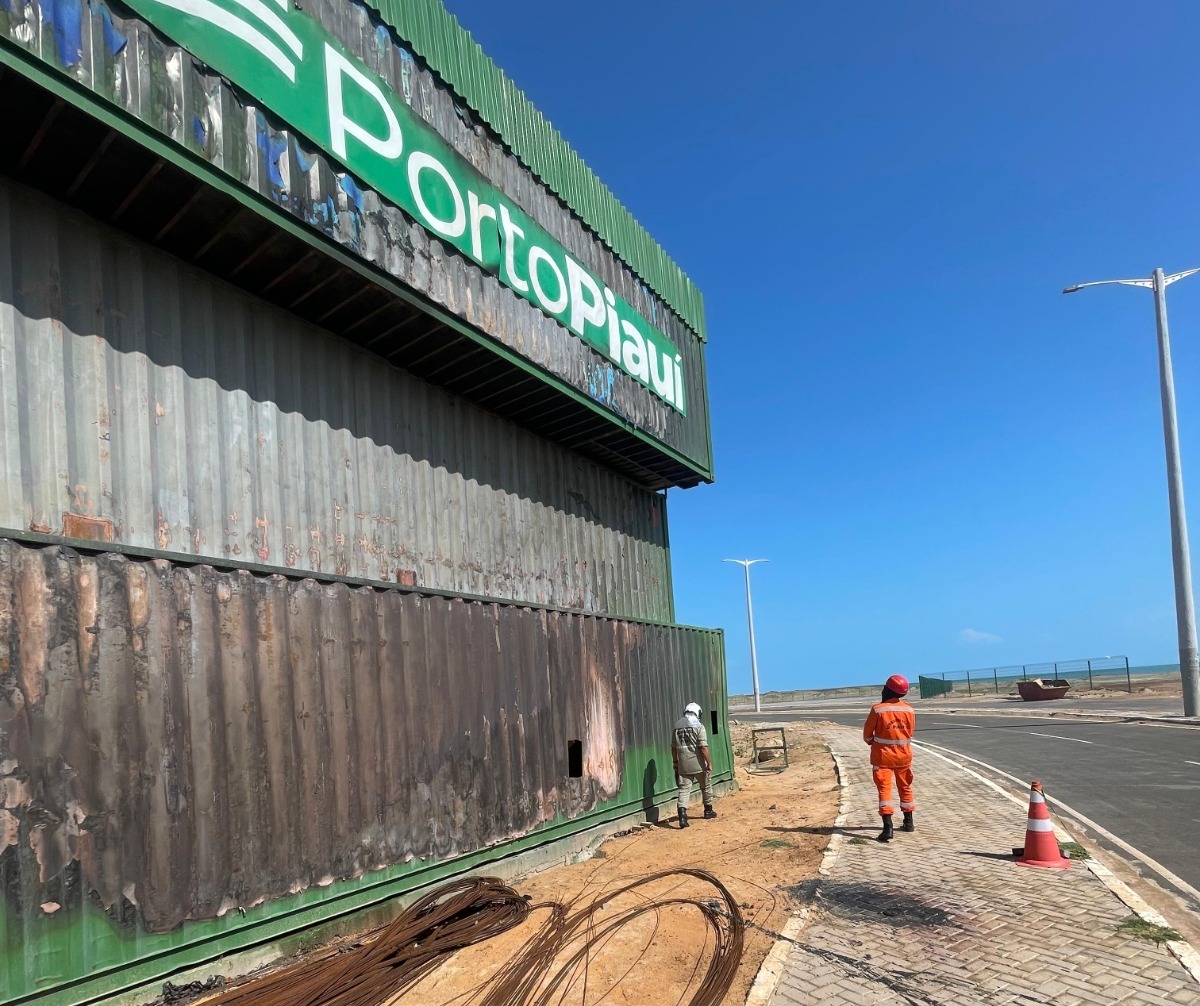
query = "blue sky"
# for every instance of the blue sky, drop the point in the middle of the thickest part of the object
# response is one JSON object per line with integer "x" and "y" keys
{"x": 948, "y": 463}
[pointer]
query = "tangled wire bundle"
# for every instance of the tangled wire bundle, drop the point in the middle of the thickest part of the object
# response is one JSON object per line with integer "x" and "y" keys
{"x": 466, "y": 912}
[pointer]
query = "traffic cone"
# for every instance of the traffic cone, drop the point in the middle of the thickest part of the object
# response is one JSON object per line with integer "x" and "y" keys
{"x": 1041, "y": 847}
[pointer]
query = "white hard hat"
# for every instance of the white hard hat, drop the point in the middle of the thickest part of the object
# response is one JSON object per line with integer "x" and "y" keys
{"x": 693, "y": 708}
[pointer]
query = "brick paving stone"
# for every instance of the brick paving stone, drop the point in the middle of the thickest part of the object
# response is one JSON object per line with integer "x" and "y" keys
{"x": 1079, "y": 982}
{"x": 1052, "y": 988}
{"x": 1171, "y": 983}
{"x": 935, "y": 917}
{"x": 1095, "y": 998}
{"x": 1152, "y": 997}
{"x": 810, "y": 983}
{"x": 856, "y": 994}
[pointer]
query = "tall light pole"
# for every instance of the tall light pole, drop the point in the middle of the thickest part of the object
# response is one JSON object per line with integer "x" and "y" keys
{"x": 1185, "y": 610}
{"x": 746, "y": 564}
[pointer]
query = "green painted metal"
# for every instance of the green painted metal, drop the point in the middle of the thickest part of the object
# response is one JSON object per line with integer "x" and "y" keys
{"x": 437, "y": 37}
{"x": 85, "y": 957}
{"x": 342, "y": 105}
{"x": 78, "y": 953}
{"x": 22, "y": 61}
{"x": 226, "y": 562}
{"x": 931, "y": 688}
{"x": 118, "y": 965}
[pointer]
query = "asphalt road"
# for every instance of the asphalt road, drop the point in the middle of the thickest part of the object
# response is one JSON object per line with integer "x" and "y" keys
{"x": 1139, "y": 781}
{"x": 1122, "y": 705}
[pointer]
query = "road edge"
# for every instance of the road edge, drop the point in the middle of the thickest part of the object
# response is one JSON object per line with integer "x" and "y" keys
{"x": 1181, "y": 950}
{"x": 1100, "y": 716}
{"x": 770, "y": 972}
{"x": 1188, "y": 722}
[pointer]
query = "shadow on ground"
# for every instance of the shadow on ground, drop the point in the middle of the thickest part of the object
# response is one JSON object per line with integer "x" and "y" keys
{"x": 850, "y": 831}
{"x": 860, "y": 902}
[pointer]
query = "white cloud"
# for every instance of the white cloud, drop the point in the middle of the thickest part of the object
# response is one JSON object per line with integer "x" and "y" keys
{"x": 974, "y": 636}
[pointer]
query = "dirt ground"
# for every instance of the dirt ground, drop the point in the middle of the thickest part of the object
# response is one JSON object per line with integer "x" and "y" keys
{"x": 768, "y": 836}
{"x": 1166, "y": 687}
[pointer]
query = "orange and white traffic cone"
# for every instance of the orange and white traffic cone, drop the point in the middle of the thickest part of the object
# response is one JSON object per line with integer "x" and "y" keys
{"x": 1041, "y": 847}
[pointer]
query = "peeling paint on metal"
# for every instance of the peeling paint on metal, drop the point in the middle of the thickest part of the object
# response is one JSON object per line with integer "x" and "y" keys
{"x": 225, "y": 740}
{"x": 226, "y": 428}
{"x": 169, "y": 90}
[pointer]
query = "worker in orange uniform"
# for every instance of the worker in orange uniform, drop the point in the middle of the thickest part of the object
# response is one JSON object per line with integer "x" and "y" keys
{"x": 889, "y": 730}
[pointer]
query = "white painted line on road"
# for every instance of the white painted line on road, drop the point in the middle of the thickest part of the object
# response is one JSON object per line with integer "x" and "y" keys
{"x": 1077, "y": 740}
{"x": 1181, "y": 950}
{"x": 1087, "y": 822}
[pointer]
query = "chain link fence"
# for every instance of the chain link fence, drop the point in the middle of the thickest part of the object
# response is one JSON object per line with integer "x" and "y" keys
{"x": 1090, "y": 672}
{"x": 1084, "y": 674}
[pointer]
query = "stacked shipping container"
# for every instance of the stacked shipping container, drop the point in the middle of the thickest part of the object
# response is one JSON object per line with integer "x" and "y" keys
{"x": 294, "y": 616}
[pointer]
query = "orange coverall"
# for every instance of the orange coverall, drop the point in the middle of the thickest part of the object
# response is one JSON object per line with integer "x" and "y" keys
{"x": 889, "y": 729}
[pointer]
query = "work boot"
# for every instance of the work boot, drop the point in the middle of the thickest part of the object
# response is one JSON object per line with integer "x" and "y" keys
{"x": 886, "y": 834}
{"x": 709, "y": 813}
{"x": 908, "y": 822}
{"x": 683, "y": 821}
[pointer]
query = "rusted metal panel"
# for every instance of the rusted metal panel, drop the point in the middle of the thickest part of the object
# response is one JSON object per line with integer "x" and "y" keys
{"x": 125, "y": 62}
{"x": 444, "y": 44}
{"x": 179, "y": 743}
{"x": 196, "y": 420}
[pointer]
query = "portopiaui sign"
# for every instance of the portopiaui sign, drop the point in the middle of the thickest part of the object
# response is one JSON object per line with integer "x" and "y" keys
{"x": 284, "y": 58}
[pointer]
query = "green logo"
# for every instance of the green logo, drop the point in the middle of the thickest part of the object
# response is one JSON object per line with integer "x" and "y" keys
{"x": 288, "y": 62}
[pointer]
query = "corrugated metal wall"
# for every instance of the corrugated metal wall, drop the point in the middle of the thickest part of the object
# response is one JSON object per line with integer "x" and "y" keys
{"x": 197, "y": 759}
{"x": 363, "y": 32}
{"x": 202, "y": 422}
{"x": 180, "y": 743}
{"x": 438, "y": 37}
{"x": 125, "y": 62}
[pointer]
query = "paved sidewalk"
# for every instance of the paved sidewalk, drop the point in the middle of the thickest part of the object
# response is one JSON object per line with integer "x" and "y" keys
{"x": 943, "y": 917}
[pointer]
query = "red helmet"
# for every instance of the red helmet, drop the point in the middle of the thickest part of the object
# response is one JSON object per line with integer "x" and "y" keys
{"x": 898, "y": 684}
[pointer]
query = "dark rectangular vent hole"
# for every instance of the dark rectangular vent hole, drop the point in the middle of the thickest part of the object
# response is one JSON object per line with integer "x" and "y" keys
{"x": 575, "y": 759}
{"x": 715, "y": 723}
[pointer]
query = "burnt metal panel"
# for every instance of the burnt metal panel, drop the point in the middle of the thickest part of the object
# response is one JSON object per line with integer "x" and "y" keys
{"x": 147, "y": 404}
{"x": 181, "y": 745}
{"x": 126, "y": 63}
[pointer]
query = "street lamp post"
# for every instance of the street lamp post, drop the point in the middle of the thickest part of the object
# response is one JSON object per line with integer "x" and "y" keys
{"x": 746, "y": 564}
{"x": 1185, "y": 611}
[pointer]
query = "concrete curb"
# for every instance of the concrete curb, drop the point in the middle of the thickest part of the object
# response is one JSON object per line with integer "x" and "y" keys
{"x": 1100, "y": 716}
{"x": 771, "y": 972}
{"x": 1177, "y": 882}
{"x": 1104, "y": 717}
{"x": 1181, "y": 950}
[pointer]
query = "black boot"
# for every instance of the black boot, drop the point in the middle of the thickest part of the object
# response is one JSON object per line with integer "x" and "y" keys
{"x": 886, "y": 834}
{"x": 908, "y": 822}
{"x": 709, "y": 813}
{"x": 683, "y": 821}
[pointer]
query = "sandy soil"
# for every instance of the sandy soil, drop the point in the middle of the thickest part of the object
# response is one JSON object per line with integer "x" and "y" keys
{"x": 768, "y": 836}
{"x": 1169, "y": 687}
